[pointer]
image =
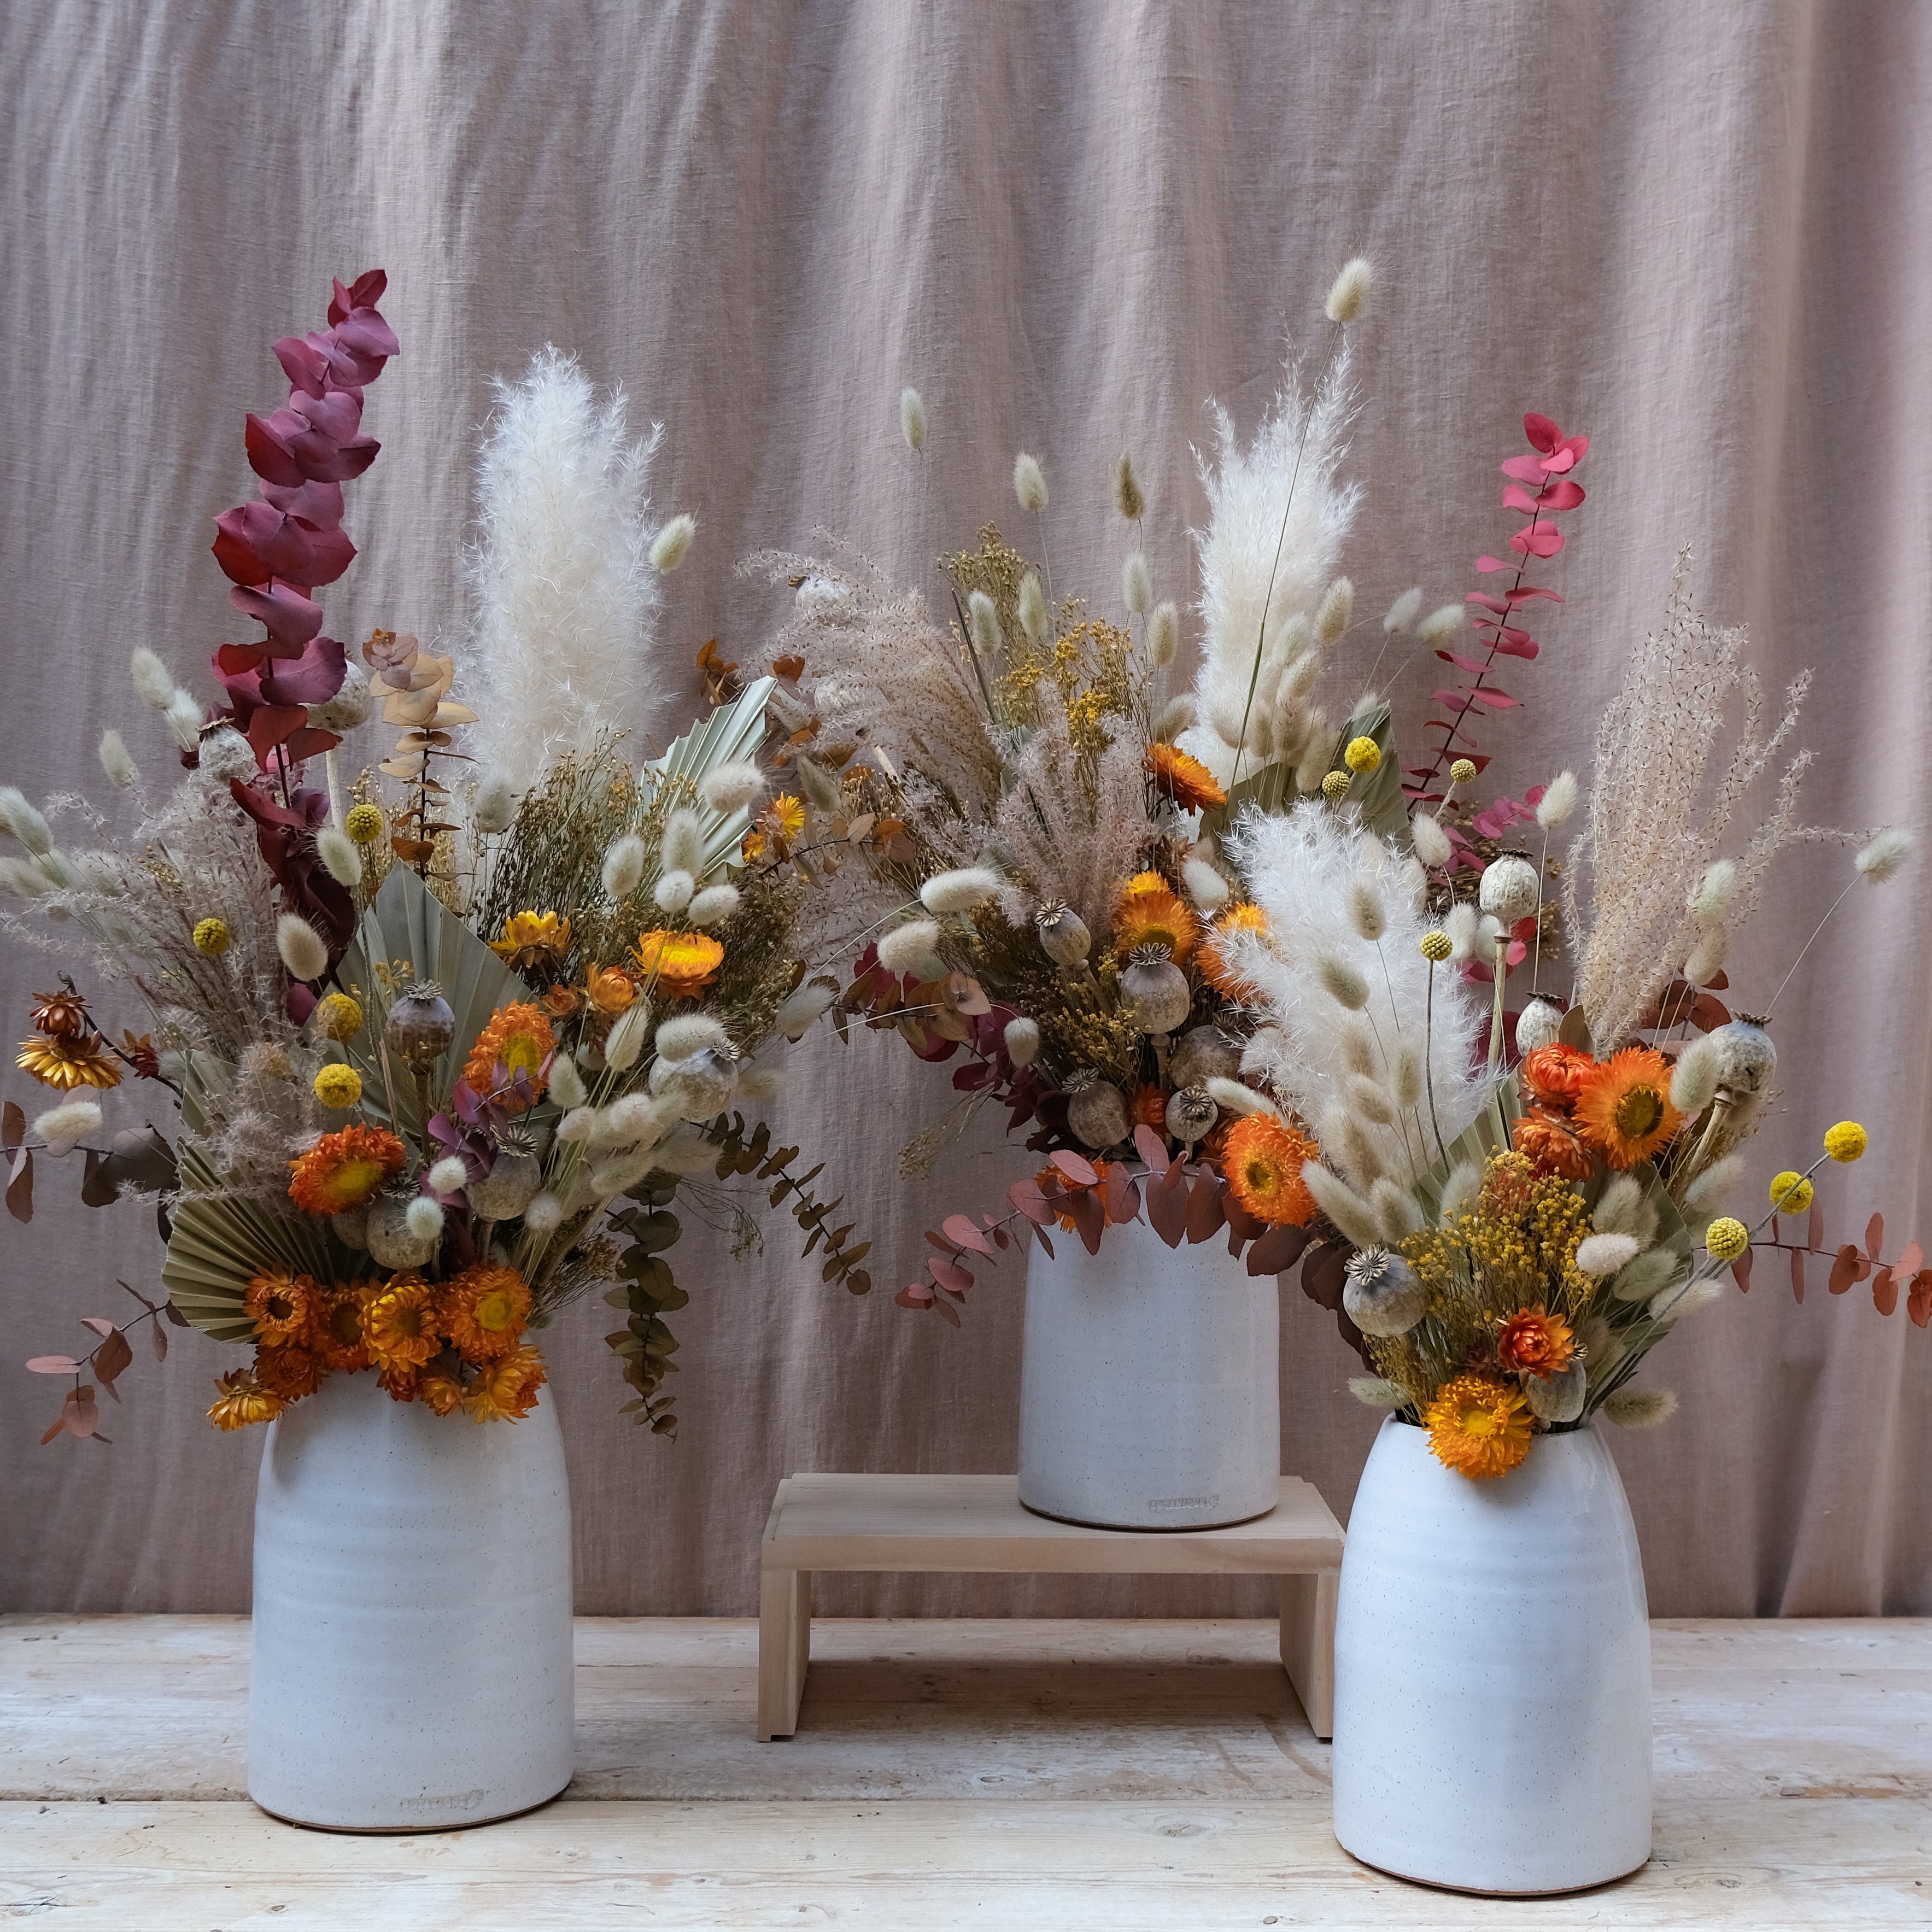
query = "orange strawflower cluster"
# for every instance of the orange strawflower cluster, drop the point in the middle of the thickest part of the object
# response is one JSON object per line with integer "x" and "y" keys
{"x": 517, "y": 1039}
{"x": 1582, "y": 1110}
{"x": 1480, "y": 1425}
{"x": 1263, "y": 1158}
{"x": 345, "y": 1169}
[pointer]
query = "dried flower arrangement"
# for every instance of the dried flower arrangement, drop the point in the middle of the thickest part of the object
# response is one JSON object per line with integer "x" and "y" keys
{"x": 445, "y": 1049}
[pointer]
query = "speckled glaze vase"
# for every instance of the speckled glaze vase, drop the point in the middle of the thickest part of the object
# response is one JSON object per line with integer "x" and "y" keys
{"x": 412, "y": 1667}
{"x": 1150, "y": 1385}
{"x": 1492, "y": 1722}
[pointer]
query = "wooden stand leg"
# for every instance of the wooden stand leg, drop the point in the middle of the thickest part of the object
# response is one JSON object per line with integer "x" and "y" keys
{"x": 785, "y": 1648}
{"x": 1308, "y": 1645}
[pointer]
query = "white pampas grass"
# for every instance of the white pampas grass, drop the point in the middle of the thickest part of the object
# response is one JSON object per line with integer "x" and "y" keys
{"x": 732, "y": 787}
{"x": 912, "y": 419}
{"x": 801, "y": 1006}
{"x": 303, "y": 950}
{"x": 1396, "y": 1211}
{"x": 1463, "y": 924}
{"x": 566, "y": 1084}
{"x": 627, "y": 1037}
{"x": 153, "y": 683}
{"x": 579, "y": 1124}
{"x": 1029, "y": 482}
{"x": 1127, "y": 497}
{"x": 1554, "y": 809}
{"x": 714, "y": 905}
{"x": 23, "y": 879}
{"x": 1342, "y": 1205}
{"x": 635, "y": 1120}
{"x": 673, "y": 891}
{"x": 338, "y": 854}
{"x": 122, "y": 771}
{"x": 1460, "y": 1191}
{"x": 1136, "y": 583}
{"x": 1349, "y": 291}
{"x": 1022, "y": 1039}
{"x": 1716, "y": 889}
{"x": 960, "y": 890}
{"x": 1600, "y": 1255}
{"x": 1032, "y": 605}
{"x": 1440, "y": 625}
{"x": 1431, "y": 842}
{"x": 493, "y": 809}
{"x": 545, "y": 1214}
{"x": 985, "y": 619}
{"x": 1205, "y": 886}
{"x": 1163, "y": 635}
{"x": 682, "y": 850}
{"x": 1367, "y": 913}
{"x": 1673, "y": 1304}
{"x": 448, "y": 1175}
{"x": 624, "y": 866}
{"x": 1232, "y": 1097}
{"x": 671, "y": 545}
{"x": 680, "y": 1036}
{"x": 65, "y": 1127}
{"x": 1337, "y": 607}
{"x": 1177, "y": 715}
{"x": 1640, "y": 1280}
{"x": 1403, "y": 612}
{"x": 22, "y": 822}
{"x": 1694, "y": 1081}
{"x": 1708, "y": 1192}
{"x": 1641, "y": 1409}
{"x": 1706, "y": 958}
{"x": 561, "y": 580}
{"x": 1882, "y": 856}
{"x": 1342, "y": 982}
{"x": 423, "y": 1217}
{"x": 902, "y": 948}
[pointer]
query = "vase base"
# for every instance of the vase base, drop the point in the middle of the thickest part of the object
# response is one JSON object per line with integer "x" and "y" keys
{"x": 412, "y": 1831}
{"x": 1145, "y": 1529}
{"x": 1492, "y": 1891}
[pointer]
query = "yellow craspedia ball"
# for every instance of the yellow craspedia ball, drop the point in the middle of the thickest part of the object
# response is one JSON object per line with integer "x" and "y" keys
{"x": 1437, "y": 946}
{"x": 340, "y": 1017}
{"x": 212, "y": 937}
{"x": 1790, "y": 1192}
{"x": 363, "y": 824}
{"x": 1335, "y": 786}
{"x": 1363, "y": 754}
{"x": 1728, "y": 1237}
{"x": 1847, "y": 1140}
{"x": 1463, "y": 771}
{"x": 338, "y": 1086}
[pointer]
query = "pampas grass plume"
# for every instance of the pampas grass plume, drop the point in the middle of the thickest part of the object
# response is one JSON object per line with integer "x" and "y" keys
{"x": 122, "y": 770}
{"x": 1461, "y": 924}
{"x": 23, "y": 822}
{"x": 1342, "y": 1204}
{"x": 494, "y": 808}
{"x": 1694, "y": 1081}
{"x": 1556, "y": 805}
{"x": 627, "y": 1037}
{"x": 1177, "y": 714}
{"x": 1032, "y": 607}
{"x": 670, "y": 545}
{"x": 684, "y": 1034}
{"x": 338, "y": 854}
{"x": 714, "y": 905}
{"x": 1440, "y": 625}
{"x": 184, "y": 717}
{"x": 1403, "y": 612}
{"x": 674, "y": 892}
{"x": 1431, "y": 842}
{"x": 545, "y": 1214}
{"x": 985, "y": 619}
{"x": 423, "y": 1217}
{"x": 65, "y": 1127}
{"x": 1029, "y": 482}
{"x": 1710, "y": 903}
{"x": 1337, "y": 607}
{"x": 1164, "y": 635}
{"x": 624, "y": 866}
{"x": 960, "y": 890}
{"x": 1205, "y": 886}
{"x": 1136, "y": 583}
{"x": 1641, "y": 1409}
{"x": 566, "y": 1084}
{"x": 1342, "y": 982}
{"x": 732, "y": 787}
{"x": 1878, "y": 860}
{"x": 302, "y": 948}
{"x": 153, "y": 683}
{"x": 1349, "y": 292}
{"x": 1367, "y": 913}
{"x": 1707, "y": 956}
{"x": 1232, "y": 1097}
{"x": 903, "y": 948}
{"x": 683, "y": 847}
{"x": 449, "y": 1175}
{"x": 1601, "y": 1255}
{"x": 912, "y": 419}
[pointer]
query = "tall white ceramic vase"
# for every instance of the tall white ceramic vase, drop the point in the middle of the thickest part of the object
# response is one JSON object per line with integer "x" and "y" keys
{"x": 1492, "y": 1722}
{"x": 412, "y": 1665}
{"x": 1150, "y": 1385}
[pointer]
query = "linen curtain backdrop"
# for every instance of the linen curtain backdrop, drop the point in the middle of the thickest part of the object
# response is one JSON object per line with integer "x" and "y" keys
{"x": 1694, "y": 232}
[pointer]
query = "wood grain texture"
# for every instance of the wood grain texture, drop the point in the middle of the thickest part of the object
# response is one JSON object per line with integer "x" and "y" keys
{"x": 1165, "y": 1778}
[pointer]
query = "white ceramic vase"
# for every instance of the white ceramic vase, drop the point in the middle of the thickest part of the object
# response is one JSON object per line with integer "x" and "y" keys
{"x": 412, "y": 1665}
{"x": 1150, "y": 1383}
{"x": 1492, "y": 1722}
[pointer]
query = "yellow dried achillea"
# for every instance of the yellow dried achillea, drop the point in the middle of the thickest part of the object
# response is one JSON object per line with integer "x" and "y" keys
{"x": 338, "y": 1086}
{"x": 1363, "y": 754}
{"x": 212, "y": 937}
{"x": 1845, "y": 1141}
{"x": 1790, "y": 1192}
{"x": 363, "y": 824}
{"x": 1727, "y": 1238}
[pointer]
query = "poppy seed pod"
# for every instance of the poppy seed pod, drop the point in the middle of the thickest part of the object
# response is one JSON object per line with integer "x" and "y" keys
{"x": 225, "y": 755}
{"x": 1201, "y": 1054}
{"x": 419, "y": 1031}
{"x": 1380, "y": 1293}
{"x": 351, "y": 1227}
{"x": 351, "y": 705}
{"x": 392, "y": 1241}
{"x": 1063, "y": 937}
{"x": 701, "y": 1088}
{"x": 1558, "y": 1398}
{"x": 1096, "y": 1111}
{"x": 508, "y": 1188}
{"x": 1191, "y": 1114}
{"x": 1510, "y": 888}
{"x": 1537, "y": 1025}
{"x": 1745, "y": 1055}
{"x": 1154, "y": 993}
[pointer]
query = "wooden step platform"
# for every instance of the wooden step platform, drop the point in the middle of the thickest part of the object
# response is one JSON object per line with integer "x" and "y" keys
{"x": 904, "y": 1522}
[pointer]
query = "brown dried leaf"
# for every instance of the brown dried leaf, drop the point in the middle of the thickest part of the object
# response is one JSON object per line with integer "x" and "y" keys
{"x": 113, "y": 1358}
{"x": 12, "y": 1126}
{"x": 1798, "y": 1274}
{"x": 1874, "y": 1235}
{"x": 20, "y": 1188}
{"x": 1847, "y": 1268}
{"x": 53, "y": 1365}
{"x": 1885, "y": 1291}
{"x": 1814, "y": 1228}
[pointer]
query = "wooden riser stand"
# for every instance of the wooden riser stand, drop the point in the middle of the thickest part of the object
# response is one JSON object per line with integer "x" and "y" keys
{"x": 957, "y": 1523}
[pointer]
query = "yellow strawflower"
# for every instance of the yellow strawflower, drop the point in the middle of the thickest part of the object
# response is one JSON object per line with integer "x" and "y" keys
{"x": 1363, "y": 754}
{"x": 1727, "y": 1238}
{"x": 1790, "y": 1192}
{"x": 337, "y": 1086}
{"x": 212, "y": 937}
{"x": 1845, "y": 1141}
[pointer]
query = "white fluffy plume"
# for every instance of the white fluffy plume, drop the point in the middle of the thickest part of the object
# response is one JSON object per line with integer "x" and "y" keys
{"x": 1310, "y": 871}
{"x": 561, "y": 579}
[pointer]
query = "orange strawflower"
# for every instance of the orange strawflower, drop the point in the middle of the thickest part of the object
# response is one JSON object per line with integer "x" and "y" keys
{"x": 1479, "y": 1424}
{"x": 400, "y": 1381}
{"x": 507, "y": 1390}
{"x": 1216, "y": 966}
{"x": 484, "y": 1310}
{"x": 1263, "y": 1157}
{"x": 1553, "y": 1146}
{"x": 1557, "y": 1073}
{"x": 1185, "y": 780}
{"x": 344, "y": 1169}
{"x": 533, "y": 942}
{"x": 66, "y": 1062}
{"x": 282, "y": 1306}
{"x": 785, "y": 815}
{"x": 683, "y": 964}
{"x": 1533, "y": 1342}
{"x": 401, "y": 1327}
{"x": 1151, "y": 914}
{"x": 443, "y": 1392}
{"x": 338, "y": 1333}
{"x": 609, "y": 988}
{"x": 243, "y": 1401}
{"x": 1624, "y": 1108}
{"x": 1068, "y": 1186}
{"x": 517, "y": 1037}
{"x": 1148, "y": 1107}
{"x": 290, "y": 1371}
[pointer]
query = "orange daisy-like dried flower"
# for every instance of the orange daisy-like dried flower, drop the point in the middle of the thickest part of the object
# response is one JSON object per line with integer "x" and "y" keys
{"x": 344, "y": 1169}
{"x": 519, "y": 1037}
{"x": 1263, "y": 1158}
{"x": 242, "y": 1401}
{"x": 609, "y": 989}
{"x": 1550, "y": 1144}
{"x": 1557, "y": 1073}
{"x": 1480, "y": 1425}
{"x": 533, "y": 942}
{"x": 485, "y": 1309}
{"x": 506, "y": 1390}
{"x": 1151, "y": 914}
{"x": 1185, "y": 780}
{"x": 68, "y": 1063}
{"x": 400, "y": 1381}
{"x": 338, "y": 1333}
{"x": 1625, "y": 1110}
{"x": 442, "y": 1391}
{"x": 1063, "y": 1185}
{"x": 282, "y": 1306}
{"x": 138, "y": 1050}
{"x": 563, "y": 1003}
{"x": 1216, "y": 966}
{"x": 401, "y": 1327}
{"x": 1148, "y": 1107}
{"x": 62, "y": 1015}
{"x": 289, "y": 1370}
{"x": 784, "y": 816}
{"x": 682, "y": 964}
{"x": 1533, "y": 1342}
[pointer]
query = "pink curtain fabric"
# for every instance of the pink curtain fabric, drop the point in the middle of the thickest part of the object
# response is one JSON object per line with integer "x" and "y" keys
{"x": 1693, "y": 230}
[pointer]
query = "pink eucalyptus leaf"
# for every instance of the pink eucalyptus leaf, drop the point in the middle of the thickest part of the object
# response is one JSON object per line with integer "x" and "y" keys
{"x": 1562, "y": 494}
{"x": 1151, "y": 1148}
{"x": 1540, "y": 540}
{"x": 1524, "y": 468}
{"x": 962, "y": 1233}
{"x": 1515, "y": 497}
{"x": 1488, "y": 566}
{"x": 1543, "y": 434}
{"x": 1496, "y": 699}
{"x": 1081, "y": 1172}
{"x": 948, "y": 1273}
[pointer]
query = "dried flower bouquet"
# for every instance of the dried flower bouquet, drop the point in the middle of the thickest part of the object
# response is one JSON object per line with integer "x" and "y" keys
{"x": 445, "y": 1048}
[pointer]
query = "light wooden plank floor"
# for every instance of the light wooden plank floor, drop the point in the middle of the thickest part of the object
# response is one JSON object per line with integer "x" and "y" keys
{"x": 1047, "y": 1776}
